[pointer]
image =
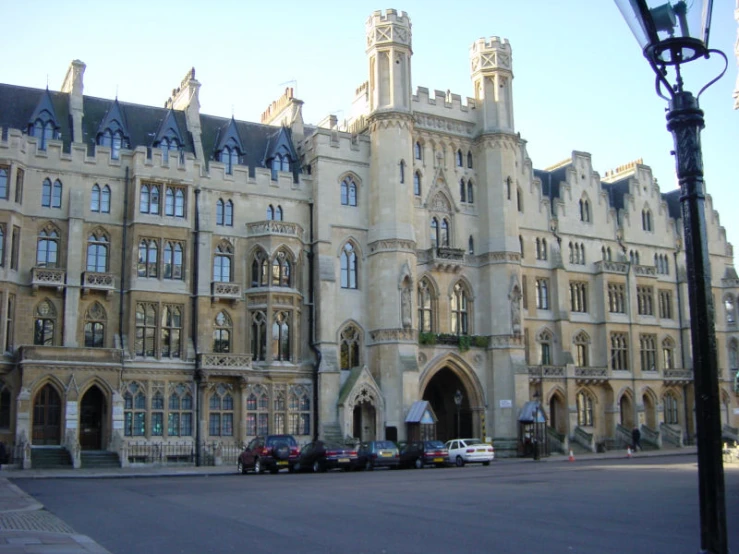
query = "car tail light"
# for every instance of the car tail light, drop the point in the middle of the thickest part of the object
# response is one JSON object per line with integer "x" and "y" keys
{"x": 491, "y": 450}
{"x": 469, "y": 450}
{"x": 354, "y": 453}
{"x": 331, "y": 453}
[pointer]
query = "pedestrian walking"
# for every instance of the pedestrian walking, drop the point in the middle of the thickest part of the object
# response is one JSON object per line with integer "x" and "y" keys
{"x": 636, "y": 438}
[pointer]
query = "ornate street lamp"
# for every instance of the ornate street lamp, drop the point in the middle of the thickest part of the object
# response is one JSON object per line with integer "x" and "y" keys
{"x": 458, "y": 401}
{"x": 672, "y": 33}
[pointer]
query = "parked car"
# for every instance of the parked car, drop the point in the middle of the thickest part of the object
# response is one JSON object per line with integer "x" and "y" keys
{"x": 271, "y": 453}
{"x": 319, "y": 456}
{"x": 470, "y": 451}
{"x": 422, "y": 453}
{"x": 378, "y": 454}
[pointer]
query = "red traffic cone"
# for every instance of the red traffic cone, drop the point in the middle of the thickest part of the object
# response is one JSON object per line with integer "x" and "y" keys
{"x": 628, "y": 452}
{"x": 572, "y": 456}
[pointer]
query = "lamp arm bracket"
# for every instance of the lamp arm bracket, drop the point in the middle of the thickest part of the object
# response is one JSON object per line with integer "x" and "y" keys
{"x": 660, "y": 80}
{"x": 726, "y": 65}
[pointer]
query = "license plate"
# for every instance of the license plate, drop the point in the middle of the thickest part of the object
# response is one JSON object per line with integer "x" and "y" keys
{"x": 482, "y": 450}
{"x": 386, "y": 454}
{"x": 437, "y": 460}
{"x": 344, "y": 460}
{"x": 281, "y": 463}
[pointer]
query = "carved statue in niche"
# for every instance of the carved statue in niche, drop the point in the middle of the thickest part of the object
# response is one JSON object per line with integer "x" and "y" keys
{"x": 406, "y": 307}
{"x": 515, "y": 298}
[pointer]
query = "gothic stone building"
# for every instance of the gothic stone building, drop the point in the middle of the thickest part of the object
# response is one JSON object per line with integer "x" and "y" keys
{"x": 170, "y": 279}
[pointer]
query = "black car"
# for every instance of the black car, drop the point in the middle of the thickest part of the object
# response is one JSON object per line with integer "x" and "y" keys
{"x": 422, "y": 453}
{"x": 378, "y": 454}
{"x": 271, "y": 453}
{"x": 318, "y": 456}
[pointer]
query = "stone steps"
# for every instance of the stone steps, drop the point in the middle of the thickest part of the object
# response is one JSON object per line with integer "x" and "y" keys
{"x": 50, "y": 458}
{"x": 99, "y": 459}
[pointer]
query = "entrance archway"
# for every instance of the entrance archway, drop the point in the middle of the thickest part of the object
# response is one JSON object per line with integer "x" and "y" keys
{"x": 558, "y": 413}
{"x": 47, "y": 417}
{"x": 440, "y": 392}
{"x": 650, "y": 411}
{"x": 364, "y": 422}
{"x": 92, "y": 414}
{"x": 626, "y": 411}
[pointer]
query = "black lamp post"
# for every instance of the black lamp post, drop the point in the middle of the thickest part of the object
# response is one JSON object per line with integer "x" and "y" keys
{"x": 536, "y": 437}
{"x": 458, "y": 401}
{"x": 672, "y": 33}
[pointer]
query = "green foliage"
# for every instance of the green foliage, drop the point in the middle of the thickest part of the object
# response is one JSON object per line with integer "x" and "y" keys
{"x": 464, "y": 343}
{"x": 480, "y": 341}
{"x": 427, "y": 338}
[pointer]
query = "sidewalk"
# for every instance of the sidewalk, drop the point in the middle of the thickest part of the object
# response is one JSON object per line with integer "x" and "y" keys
{"x": 26, "y": 527}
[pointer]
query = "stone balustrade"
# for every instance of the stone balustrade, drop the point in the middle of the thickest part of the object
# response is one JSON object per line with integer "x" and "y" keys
{"x": 225, "y": 361}
{"x": 271, "y": 227}
{"x": 48, "y": 277}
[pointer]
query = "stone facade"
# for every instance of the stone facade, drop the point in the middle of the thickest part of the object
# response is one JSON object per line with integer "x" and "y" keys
{"x": 170, "y": 278}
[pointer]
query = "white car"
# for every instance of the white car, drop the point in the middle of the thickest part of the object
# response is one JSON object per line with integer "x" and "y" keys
{"x": 466, "y": 451}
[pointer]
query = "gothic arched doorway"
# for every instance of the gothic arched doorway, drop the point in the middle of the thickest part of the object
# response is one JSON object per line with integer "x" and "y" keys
{"x": 626, "y": 411}
{"x": 47, "y": 417}
{"x": 364, "y": 422}
{"x": 558, "y": 414}
{"x": 650, "y": 412}
{"x": 440, "y": 392}
{"x": 92, "y": 414}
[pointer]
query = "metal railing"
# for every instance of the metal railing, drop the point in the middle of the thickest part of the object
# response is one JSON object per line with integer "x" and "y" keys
{"x": 673, "y": 435}
{"x": 584, "y": 439}
{"x": 181, "y": 453}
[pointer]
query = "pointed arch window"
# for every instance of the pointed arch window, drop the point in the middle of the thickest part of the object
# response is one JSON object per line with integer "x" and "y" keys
{"x": 148, "y": 258}
{"x": 350, "y": 347}
{"x": 462, "y": 191}
{"x": 281, "y": 162}
{"x": 348, "y": 192}
{"x": 444, "y": 234}
{"x": 114, "y": 140}
{"x": 519, "y": 200}
{"x": 281, "y": 270}
{"x": 171, "y": 331}
{"x": 582, "y": 349}
{"x": 585, "y": 210}
{"x": 47, "y": 248}
{"x": 95, "y": 320}
{"x": 646, "y": 219}
{"x": 51, "y": 194}
{"x": 44, "y": 324}
{"x": 260, "y": 269}
{"x": 584, "y": 409}
{"x": 278, "y": 213}
{"x": 146, "y": 327}
{"x": 418, "y": 151}
{"x": 270, "y": 213}
{"x": 221, "y": 413}
{"x": 542, "y": 294}
{"x": 434, "y": 233}
{"x": 299, "y": 411}
{"x": 471, "y": 245}
{"x": 470, "y": 192}
{"x": 222, "y": 327}
{"x": 97, "y": 252}
{"x": 222, "y": 263}
{"x": 134, "y": 410}
{"x": 668, "y": 353}
{"x": 460, "y": 310}
{"x": 469, "y": 159}
{"x": 167, "y": 145}
{"x": 43, "y": 129}
{"x": 402, "y": 172}
{"x": 179, "y": 421}
{"x": 545, "y": 340}
{"x": 671, "y": 409}
{"x": 417, "y": 183}
{"x": 348, "y": 267}
{"x": 281, "y": 337}
{"x": 173, "y": 254}
{"x": 149, "y": 199}
{"x": 460, "y": 159}
{"x": 224, "y": 213}
{"x": 733, "y": 354}
{"x": 425, "y": 307}
{"x": 229, "y": 156}
{"x": 259, "y": 336}
{"x": 174, "y": 202}
{"x": 257, "y": 412}
{"x": 520, "y": 245}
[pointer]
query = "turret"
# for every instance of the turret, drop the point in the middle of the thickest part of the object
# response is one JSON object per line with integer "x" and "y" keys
{"x": 389, "y": 52}
{"x": 492, "y": 78}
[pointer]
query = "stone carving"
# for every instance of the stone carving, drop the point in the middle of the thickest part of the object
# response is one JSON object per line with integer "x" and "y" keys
{"x": 274, "y": 228}
{"x": 392, "y": 335}
{"x": 228, "y": 361}
{"x": 515, "y": 298}
{"x": 406, "y": 307}
{"x": 96, "y": 280}
{"x": 391, "y": 245}
{"x": 434, "y": 123}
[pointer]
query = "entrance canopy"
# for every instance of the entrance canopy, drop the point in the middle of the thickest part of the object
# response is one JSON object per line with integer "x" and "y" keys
{"x": 532, "y": 412}
{"x": 421, "y": 412}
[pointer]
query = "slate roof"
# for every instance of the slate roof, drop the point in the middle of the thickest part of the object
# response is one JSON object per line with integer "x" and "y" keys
{"x": 550, "y": 181}
{"x": 18, "y": 104}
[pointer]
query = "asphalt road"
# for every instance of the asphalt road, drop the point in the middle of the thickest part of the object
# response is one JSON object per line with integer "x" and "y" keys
{"x": 635, "y": 506}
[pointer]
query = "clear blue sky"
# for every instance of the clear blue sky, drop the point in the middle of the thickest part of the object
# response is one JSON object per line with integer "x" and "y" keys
{"x": 580, "y": 82}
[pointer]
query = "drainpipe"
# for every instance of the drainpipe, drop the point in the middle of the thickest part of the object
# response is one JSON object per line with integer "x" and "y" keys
{"x": 312, "y": 323}
{"x": 631, "y": 315}
{"x": 194, "y": 328}
{"x": 122, "y": 279}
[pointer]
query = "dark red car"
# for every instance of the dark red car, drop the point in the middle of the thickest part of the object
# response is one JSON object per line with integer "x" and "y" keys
{"x": 271, "y": 453}
{"x": 318, "y": 456}
{"x": 422, "y": 453}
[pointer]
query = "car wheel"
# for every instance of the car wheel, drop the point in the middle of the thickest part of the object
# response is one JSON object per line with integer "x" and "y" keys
{"x": 258, "y": 466}
{"x": 273, "y": 470}
{"x": 486, "y": 463}
{"x": 418, "y": 463}
{"x": 317, "y": 467}
{"x": 459, "y": 461}
{"x": 241, "y": 468}
{"x": 368, "y": 466}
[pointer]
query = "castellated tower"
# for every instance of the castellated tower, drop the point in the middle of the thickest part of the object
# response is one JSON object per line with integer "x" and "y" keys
{"x": 391, "y": 239}
{"x": 500, "y": 162}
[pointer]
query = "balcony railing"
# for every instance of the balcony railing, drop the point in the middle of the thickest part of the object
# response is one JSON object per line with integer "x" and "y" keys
{"x": 48, "y": 277}
{"x": 93, "y": 280}
{"x": 444, "y": 258}
{"x": 645, "y": 270}
{"x": 611, "y": 267}
{"x": 547, "y": 371}
{"x": 591, "y": 375}
{"x": 225, "y": 291}
{"x": 678, "y": 376}
{"x": 225, "y": 361}
{"x": 270, "y": 227}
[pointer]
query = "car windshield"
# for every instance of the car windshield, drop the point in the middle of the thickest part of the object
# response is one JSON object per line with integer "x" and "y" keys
{"x": 333, "y": 446}
{"x": 434, "y": 444}
{"x": 281, "y": 439}
{"x": 385, "y": 444}
{"x": 470, "y": 442}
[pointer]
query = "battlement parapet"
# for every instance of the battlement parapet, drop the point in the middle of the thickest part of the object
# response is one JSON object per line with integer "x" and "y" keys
{"x": 388, "y": 28}
{"x": 490, "y": 54}
{"x": 446, "y": 99}
{"x": 492, "y": 43}
{"x": 389, "y": 16}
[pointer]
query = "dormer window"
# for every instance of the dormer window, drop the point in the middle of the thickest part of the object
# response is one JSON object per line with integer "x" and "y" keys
{"x": 115, "y": 140}
{"x": 44, "y": 131}
{"x": 229, "y": 156}
{"x": 167, "y": 145}
{"x": 281, "y": 162}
